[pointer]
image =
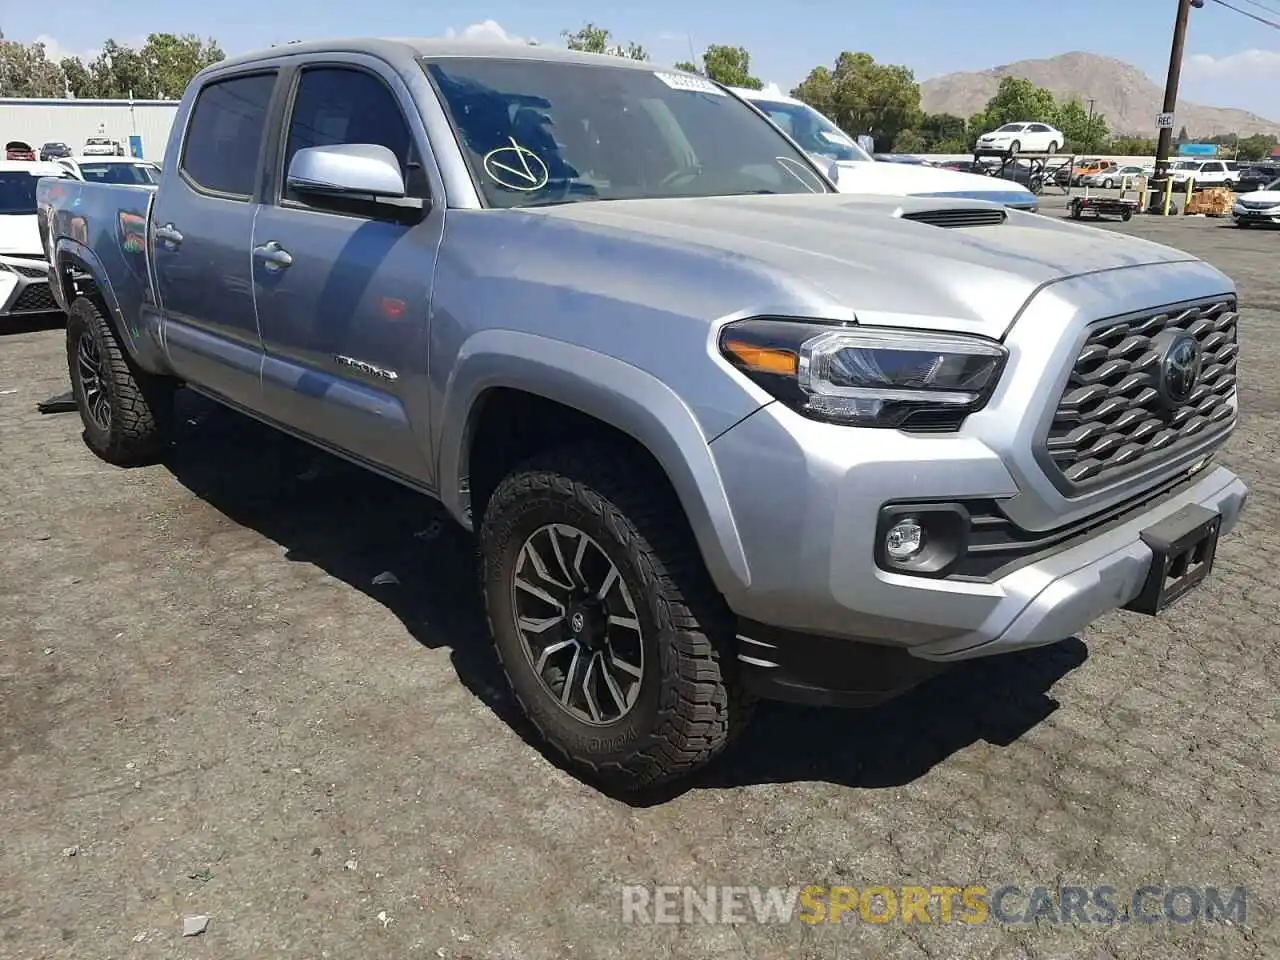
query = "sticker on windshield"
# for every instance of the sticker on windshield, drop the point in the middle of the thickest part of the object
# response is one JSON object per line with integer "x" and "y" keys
{"x": 681, "y": 81}
{"x": 516, "y": 168}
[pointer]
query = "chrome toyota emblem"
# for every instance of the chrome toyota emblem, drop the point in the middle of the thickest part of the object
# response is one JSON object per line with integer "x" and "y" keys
{"x": 1179, "y": 369}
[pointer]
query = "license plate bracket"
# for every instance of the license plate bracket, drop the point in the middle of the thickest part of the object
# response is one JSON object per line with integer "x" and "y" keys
{"x": 1183, "y": 548}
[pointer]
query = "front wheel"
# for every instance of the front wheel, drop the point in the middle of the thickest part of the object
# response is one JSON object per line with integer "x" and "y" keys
{"x": 613, "y": 639}
{"x": 1107, "y": 184}
{"x": 1015, "y": 147}
{"x": 125, "y": 411}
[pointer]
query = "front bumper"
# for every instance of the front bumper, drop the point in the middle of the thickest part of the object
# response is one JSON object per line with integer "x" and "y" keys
{"x": 24, "y": 287}
{"x": 1043, "y": 602}
{"x": 1243, "y": 214}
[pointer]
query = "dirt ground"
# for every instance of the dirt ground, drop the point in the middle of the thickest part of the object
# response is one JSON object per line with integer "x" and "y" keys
{"x": 209, "y": 707}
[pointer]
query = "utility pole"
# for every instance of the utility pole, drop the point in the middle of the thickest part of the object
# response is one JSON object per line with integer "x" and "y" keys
{"x": 1088, "y": 146}
{"x": 1171, "y": 98}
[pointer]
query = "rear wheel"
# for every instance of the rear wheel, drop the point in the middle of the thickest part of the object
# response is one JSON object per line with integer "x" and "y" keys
{"x": 125, "y": 410}
{"x": 614, "y": 640}
{"x": 1053, "y": 147}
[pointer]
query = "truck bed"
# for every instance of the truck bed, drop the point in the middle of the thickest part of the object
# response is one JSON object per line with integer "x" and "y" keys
{"x": 104, "y": 227}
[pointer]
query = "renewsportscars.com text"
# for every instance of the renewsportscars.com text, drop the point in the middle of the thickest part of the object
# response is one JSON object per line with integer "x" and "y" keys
{"x": 973, "y": 903}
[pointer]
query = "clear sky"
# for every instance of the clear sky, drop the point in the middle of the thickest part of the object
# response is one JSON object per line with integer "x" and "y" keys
{"x": 1232, "y": 60}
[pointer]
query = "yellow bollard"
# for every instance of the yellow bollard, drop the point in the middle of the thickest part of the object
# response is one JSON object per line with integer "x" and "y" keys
{"x": 1168, "y": 195}
{"x": 1191, "y": 188}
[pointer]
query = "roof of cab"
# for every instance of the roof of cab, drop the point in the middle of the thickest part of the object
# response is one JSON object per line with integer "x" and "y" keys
{"x": 407, "y": 48}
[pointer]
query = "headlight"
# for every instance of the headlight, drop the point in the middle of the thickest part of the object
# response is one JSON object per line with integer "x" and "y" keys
{"x": 866, "y": 376}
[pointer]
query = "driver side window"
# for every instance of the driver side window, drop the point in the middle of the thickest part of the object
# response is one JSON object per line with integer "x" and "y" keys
{"x": 340, "y": 105}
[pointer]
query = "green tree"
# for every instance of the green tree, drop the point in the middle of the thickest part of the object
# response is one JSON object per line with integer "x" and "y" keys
{"x": 159, "y": 70}
{"x": 909, "y": 141}
{"x": 1183, "y": 136}
{"x": 117, "y": 73}
{"x": 594, "y": 39}
{"x": 864, "y": 97}
{"x": 730, "y": 66}
{"x": 943, "y": 133}
{"x": 171, "y": 61}
{"x": 1081, "y": 131}
{"x": 1132, "y": 147}
{"x": 1016, "y": 100}
{"x": 79, "y": 82}
{"x": 25, "y": 71}
{"x": 688, "y": 67}
{"x": 1256, "y": 147}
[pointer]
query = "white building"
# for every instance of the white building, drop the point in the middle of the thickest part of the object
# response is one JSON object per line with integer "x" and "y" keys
{"x": 38, "y": 121}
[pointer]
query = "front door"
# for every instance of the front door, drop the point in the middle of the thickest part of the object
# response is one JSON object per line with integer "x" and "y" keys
{"x": 343, "y": 288}
{"x": 203, "y": 225}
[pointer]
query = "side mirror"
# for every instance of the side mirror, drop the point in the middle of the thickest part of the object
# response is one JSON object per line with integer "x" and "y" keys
{"x": 346, "y": 169}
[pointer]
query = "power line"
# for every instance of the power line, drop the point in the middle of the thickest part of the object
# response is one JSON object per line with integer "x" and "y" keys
{"x": 1252, "y": 16}
{"x": 1262, "y": 6}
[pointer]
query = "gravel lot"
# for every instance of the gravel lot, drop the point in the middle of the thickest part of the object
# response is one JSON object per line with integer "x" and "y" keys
{"x": 210, "y": 708}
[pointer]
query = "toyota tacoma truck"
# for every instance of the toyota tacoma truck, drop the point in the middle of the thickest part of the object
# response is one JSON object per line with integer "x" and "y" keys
{"x": 721, "y": 432}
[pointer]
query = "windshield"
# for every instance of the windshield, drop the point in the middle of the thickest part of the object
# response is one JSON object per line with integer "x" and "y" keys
{"x": 119, "y": 173}
{"x": 814, "y": 132}
{"x": 1010, "y": 128}
{"x": 18, "y": 192}
{"x": 98, "y": 142}
{"x": 538, "y": 132}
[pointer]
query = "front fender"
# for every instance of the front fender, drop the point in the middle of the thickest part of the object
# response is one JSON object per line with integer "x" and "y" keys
{"x": 617, "y": 393}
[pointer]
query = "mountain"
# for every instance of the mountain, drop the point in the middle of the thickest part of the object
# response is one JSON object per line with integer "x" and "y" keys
{"x": 1127, "y": 97}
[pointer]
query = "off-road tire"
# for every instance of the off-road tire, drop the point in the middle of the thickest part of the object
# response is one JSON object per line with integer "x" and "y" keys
{"x": 691, "y": 704}
{"x": 138, "y": 404}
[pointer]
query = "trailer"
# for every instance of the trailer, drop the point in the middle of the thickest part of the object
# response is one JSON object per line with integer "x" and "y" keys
{"x": 1101, "y": 207}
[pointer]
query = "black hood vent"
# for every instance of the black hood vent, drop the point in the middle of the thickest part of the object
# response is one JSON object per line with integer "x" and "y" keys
{"x": 958, "y": 217}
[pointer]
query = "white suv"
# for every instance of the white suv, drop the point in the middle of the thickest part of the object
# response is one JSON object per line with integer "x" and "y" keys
{"x": 1205, "y": 173}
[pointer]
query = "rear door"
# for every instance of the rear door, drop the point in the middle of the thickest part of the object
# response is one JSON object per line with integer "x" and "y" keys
{"x": 203, "y": 225}
{"x": 344, "y": 322}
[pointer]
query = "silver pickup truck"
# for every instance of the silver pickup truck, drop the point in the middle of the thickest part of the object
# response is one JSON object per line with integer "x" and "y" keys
{"x": 722, "y": 433}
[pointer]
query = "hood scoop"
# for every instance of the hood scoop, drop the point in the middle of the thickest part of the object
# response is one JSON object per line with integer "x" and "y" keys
{"x": 953, "y": 218}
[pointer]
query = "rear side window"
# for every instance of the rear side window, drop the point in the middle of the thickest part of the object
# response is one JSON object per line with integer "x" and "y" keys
{"x": 224, "y": 137}
{"x": 337, "y": 105}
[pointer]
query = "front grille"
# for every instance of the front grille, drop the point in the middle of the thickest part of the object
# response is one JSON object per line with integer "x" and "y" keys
{"x": 37, "y": 296}
{"x": 996, "y": 545}
{"x": 953, "y": 219}
{"x": 1112, "y": 419}
{"x": 37, "y": 270}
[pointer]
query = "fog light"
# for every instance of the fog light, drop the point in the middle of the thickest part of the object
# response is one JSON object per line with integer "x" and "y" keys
{"x": 904, "y": 540}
